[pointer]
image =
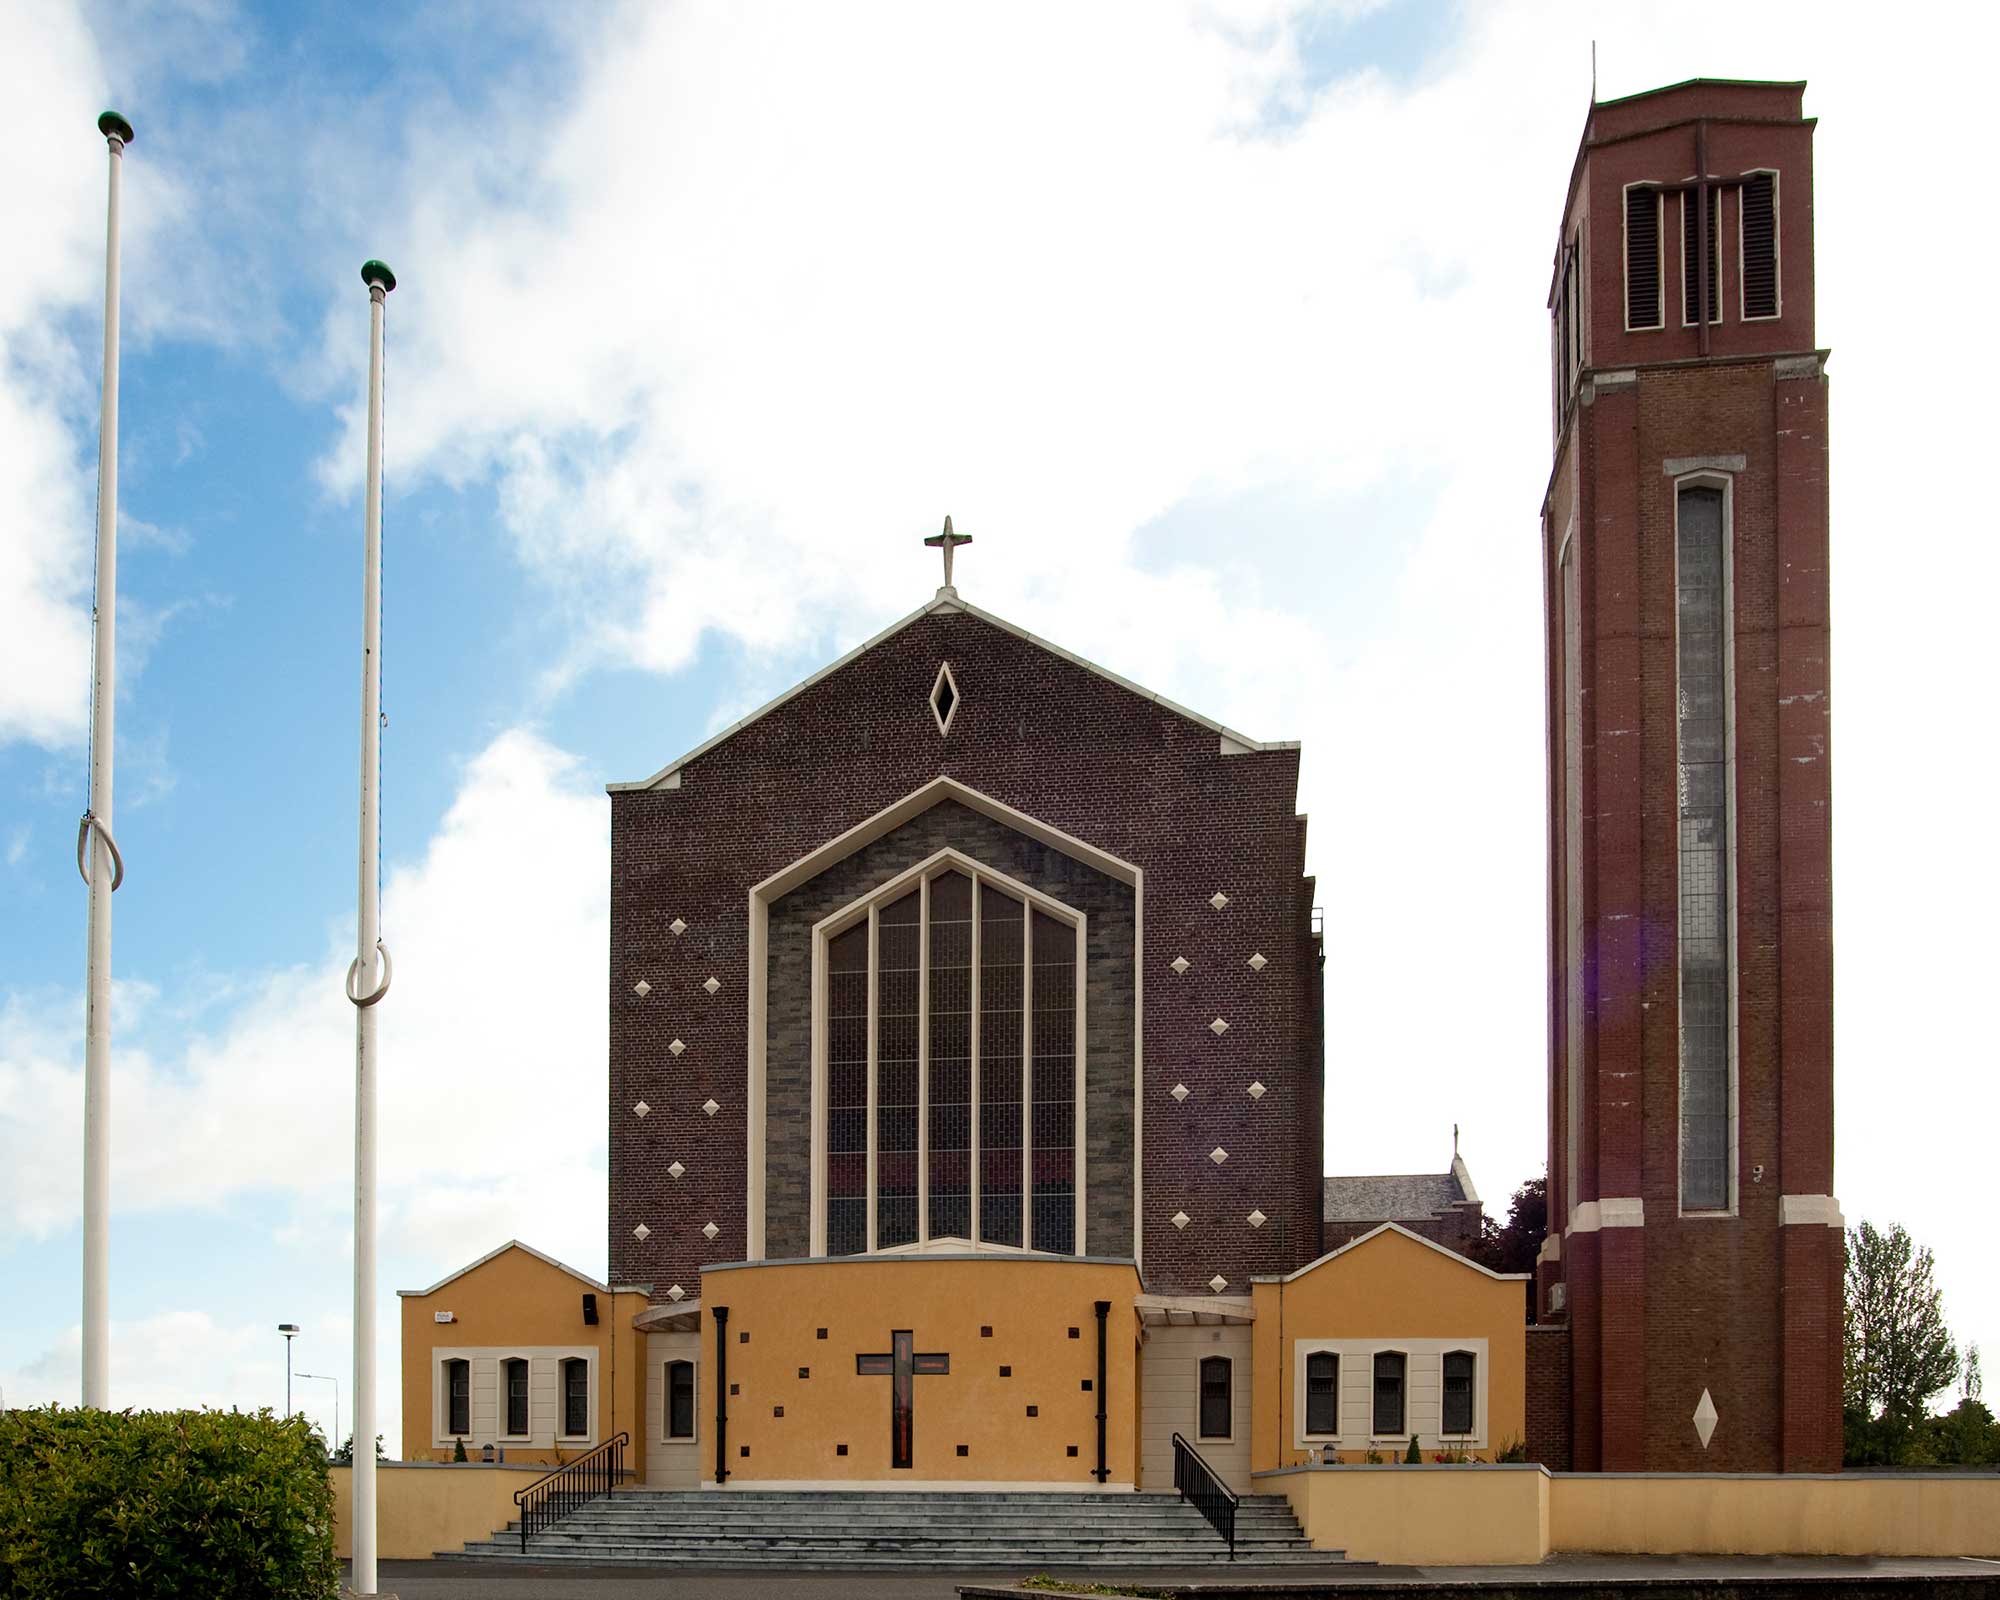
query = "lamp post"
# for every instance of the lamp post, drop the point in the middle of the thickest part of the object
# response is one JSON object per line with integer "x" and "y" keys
{"x": 322, "y": 1377}
{"x": 290, "y": 1330}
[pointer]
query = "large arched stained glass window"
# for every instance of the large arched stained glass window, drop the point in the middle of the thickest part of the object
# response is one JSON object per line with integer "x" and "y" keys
{"x": 949, "y": 1021}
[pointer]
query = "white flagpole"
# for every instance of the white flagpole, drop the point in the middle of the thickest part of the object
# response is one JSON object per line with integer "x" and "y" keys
{"x": 105, "y": 871}
{"x": 364, "y": 986}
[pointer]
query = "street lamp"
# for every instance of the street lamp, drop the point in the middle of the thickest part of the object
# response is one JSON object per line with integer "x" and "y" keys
{"x": 324, "y": 1378}
{"x": 290, "y": 1331}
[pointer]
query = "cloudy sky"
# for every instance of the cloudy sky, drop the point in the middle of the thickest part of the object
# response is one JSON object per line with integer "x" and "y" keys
{"x": 1220, "y": 326}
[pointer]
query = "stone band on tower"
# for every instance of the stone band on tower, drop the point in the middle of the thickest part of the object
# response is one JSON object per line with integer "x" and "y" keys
{"x": 1695, "y": 1246}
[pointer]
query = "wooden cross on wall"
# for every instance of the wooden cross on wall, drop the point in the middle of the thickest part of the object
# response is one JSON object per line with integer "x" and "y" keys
{"x": 901, "y": 1364}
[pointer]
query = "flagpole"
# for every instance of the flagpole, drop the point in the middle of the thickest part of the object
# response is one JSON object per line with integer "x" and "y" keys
{"x": 364, "y": 986}
{"x": 105, "y": 871}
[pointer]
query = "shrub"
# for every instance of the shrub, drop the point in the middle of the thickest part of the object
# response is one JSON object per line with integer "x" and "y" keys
{"x": 458, "y": 1450}
{"x": 1413, "y": 1454}
{"x": 158, "y": 1503}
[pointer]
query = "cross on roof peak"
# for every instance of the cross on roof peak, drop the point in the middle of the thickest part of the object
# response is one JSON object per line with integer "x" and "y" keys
{"x": 947, "y": 541}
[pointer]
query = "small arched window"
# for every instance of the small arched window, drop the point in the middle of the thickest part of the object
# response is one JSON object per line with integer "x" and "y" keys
{"x": 1323, "y": 1393}
{"x": 514, "y": 1377}
{"x": 1391, "y": 1366}
{"x": 1217, "y": 1373}
{"x": 1459, "y": 1369}
{"x": 576, "y": 1397}
{"x": 680, "y": 1399}
{"x": 458, "y": 1397}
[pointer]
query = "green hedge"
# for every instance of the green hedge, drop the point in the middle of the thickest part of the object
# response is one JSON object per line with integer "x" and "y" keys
{"x": 209, "y": 1503}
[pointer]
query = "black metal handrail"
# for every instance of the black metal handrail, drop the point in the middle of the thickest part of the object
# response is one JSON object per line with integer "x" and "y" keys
{"x": 1195, "y": 1480}
{"x": 549, "y": 1499}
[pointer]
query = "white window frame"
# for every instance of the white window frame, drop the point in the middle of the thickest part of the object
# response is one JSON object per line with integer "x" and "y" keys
{"x": 1214, "y": 1438}
{"x": 1625, "y": 254}
{"x": 1423, "y": 1394}
{"x": 869, "y": 906}
{"x": 1709, "y": 479}
{"x": 483, "y": 1366}
{"x": 667, "y": 1434}
{"x": 1777, "y": 248}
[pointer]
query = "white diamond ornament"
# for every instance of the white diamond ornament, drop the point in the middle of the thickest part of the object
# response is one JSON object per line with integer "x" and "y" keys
{"x": 1258, "y": 963}
{"x": 1218, "y": 1283}
{"x": 1180, "y": 964}
{"x": 1257, "y": 1219}
{"x": 1181, "y": 1219}
{"x": 676, "y": 1170}
{"x": 677, "y": 1294}
{"x": 1256, "y": 1091}
{"x": 677, "y": 1047}
{"x": 1218, "y": 1027}
{"x": 712, "y": 985}
{"x": 678, "y": 927}
{"x": 640, "y": 1110}
{"x": 1218, "y": 1155}
{"x": 642, "y": 988}
{"x": 1705, "y": 1418}
{"x": 1179, "y": 1091}
{"x": 640, "y": 1232}
{"x": 709, "y": 1107}
{"x": 1218, "y": 899}
{"x": 709, "y": 1230}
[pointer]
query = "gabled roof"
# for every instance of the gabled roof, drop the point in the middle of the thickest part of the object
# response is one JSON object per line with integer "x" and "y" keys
{"x": 1376, "y": 1233}
{"x": 512, "y": 1244}
{"x": 1231, "y": 743}
{"x": 1397, "y": 1197}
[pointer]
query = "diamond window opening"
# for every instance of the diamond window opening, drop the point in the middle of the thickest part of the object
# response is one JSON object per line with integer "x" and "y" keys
{"x": 944, "y": 697}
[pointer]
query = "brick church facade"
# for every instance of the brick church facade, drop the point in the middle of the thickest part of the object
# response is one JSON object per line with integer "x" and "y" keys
{"x": 1695, "y": 1245}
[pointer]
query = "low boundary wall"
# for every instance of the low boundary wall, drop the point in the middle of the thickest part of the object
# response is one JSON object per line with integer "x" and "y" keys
{"x": 1431, "y": 1515}
{"x": 422, "y": 1507}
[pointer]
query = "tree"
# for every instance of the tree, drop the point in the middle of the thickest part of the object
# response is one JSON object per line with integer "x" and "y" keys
{"x": 1899, "y": 1352}
{"x": 1513, "y": 1246}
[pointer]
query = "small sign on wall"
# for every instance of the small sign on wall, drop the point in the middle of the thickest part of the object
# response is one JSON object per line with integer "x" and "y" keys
{"x": 443, "y": 1316}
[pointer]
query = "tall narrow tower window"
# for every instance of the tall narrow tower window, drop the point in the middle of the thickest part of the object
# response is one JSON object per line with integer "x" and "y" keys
{"x": 1642, "y": 258}
{"x": 1704, "y": 732}
{"x": 1691, "y": 280}
{"x": 1760, "y": 244}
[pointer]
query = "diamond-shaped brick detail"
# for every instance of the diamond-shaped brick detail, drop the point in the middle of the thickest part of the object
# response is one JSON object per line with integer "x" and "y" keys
{"x": 677, "y": 1294}
{"x": 1218, "y": 899}
{"x": 675, "y": 1171}
{"x": 677, "y": 927}
{"x": 642, "y": 988}
{"x": 1218, "y": 1155}
{"x": 1218, "y": 1283}
{"x": 1218, "y": 1027}
{"x": 1705, "y": 1418}
{"x": 677, "y": 1047}
{"x": 1256, "y": 1091}
{"x": 1179, "y": 1091}
{"x": 1258, "y": 963}
{"x": 640, "y": 1232}
{"x": 1181, "y": 1219}
{"x": 1180, "y": 964}
{"x": 640, "y": 1110}
{"x": 709, "y": 1230}
{"x": 712, "y": 985}
{"x": 709, "y": 1108}
{"x": 1257, "y": 1219}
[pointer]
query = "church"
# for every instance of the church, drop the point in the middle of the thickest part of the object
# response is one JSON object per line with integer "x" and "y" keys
{"x": 967, "y": 1017}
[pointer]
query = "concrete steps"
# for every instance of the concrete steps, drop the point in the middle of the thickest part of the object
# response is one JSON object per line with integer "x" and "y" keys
{"x": 924, "y": 1530}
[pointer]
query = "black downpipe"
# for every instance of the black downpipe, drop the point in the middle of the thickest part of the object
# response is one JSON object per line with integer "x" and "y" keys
{"x": 1103, "y": 1312}
{"x": 721, "y": 1394}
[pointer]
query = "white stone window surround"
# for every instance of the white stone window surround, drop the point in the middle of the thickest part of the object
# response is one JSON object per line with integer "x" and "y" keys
{"x": 486, "y": 1409}
{"x": 862, "y": 834}
{"x": 869, "y": 907}
{"x": 1707, "y": 478}
{"x": 1423, "y": 1394}
{"x": 1777, "y": 253}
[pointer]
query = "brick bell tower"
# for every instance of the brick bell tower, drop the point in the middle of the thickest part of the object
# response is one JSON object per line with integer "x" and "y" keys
{"x": 1695, "y": 1246}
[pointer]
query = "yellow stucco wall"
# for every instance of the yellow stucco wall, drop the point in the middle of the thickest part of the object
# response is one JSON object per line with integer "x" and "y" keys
{"x": 1029, "y": 1304}
{"x": 1390, "y": 1287}
{"x": 1421, "y": 1516}
{"x": 518, "y": 1301}
{"x": 1853, "y": 1514}
{"x": 422, "y": 1509}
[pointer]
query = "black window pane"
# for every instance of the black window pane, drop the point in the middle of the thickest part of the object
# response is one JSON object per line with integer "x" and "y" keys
{"x": 1389, "y": 1393}
{"x": 458, "y": 1380}
{"x": 1691, "y": 282}
{"x": 680, "y": 1399}
{"x": 898, "y": 951}
{"x": 950, "y": 1173}
{"x": 847, "y": 1092}
{"x": 1215, "y": 1397}
{"x": 517, "y": 1398}
{"x": 1053, "y": 1002}
{"x": 1000, "y": 938}
{"x": 576, "y": 1398}
{"x": 1322, "y": 1392}
{"x": 1642, "y": 258}
{"x": 1760, "y": 245}
{"x": 1458, "y": 1366}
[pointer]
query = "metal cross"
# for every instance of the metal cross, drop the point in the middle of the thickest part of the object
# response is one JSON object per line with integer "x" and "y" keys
{"x": 900, "y": 1365}
{"x": 947, "y": 541}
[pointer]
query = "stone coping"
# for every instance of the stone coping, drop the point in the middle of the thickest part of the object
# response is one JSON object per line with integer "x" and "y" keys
{"x": 1457, "y": 1466}
{"x": 447, "y": 1466}
{"x": 918, "y": 1258}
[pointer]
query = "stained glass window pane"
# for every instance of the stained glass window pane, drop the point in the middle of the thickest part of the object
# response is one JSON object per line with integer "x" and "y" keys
{"x": 951, "y": 1057}
{"x": 1054, "y": 1128}
{"x": 1000, "y": 934}
{"x": 898, "y": 933}
{"x": 1703, "y": 719}
{"x": 847, "y": 1092}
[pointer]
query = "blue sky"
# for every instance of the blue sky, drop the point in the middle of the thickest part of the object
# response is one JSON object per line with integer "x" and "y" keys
{"x": 1221, "y": 328}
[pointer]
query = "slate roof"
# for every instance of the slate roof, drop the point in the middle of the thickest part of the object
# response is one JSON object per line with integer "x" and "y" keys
{"x": 1396, "y": 1197}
